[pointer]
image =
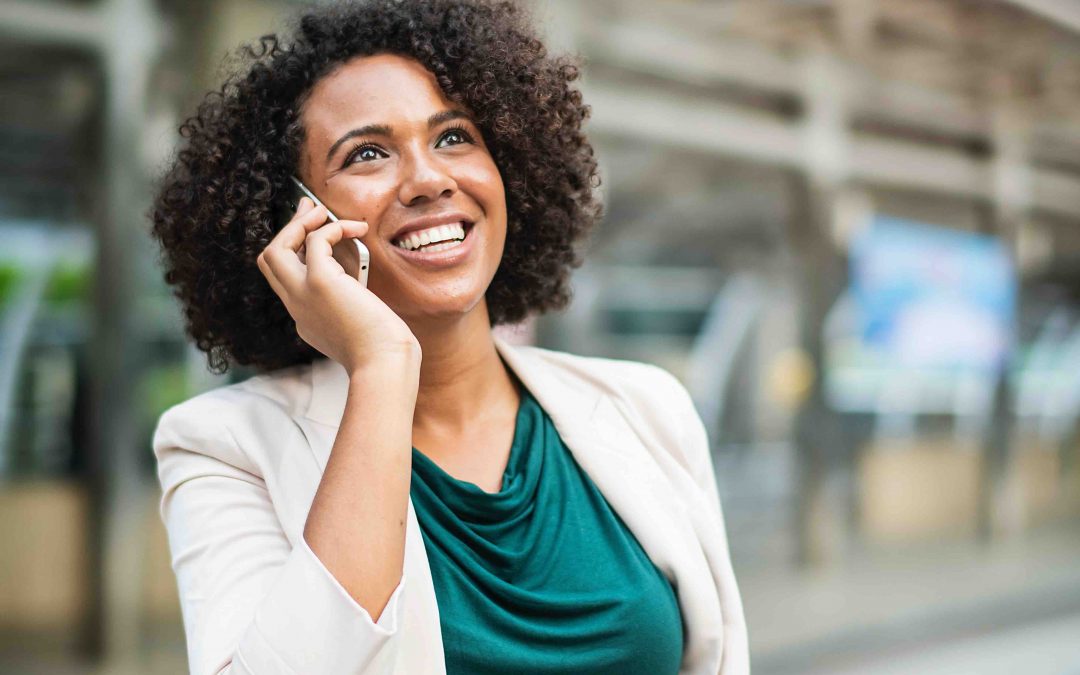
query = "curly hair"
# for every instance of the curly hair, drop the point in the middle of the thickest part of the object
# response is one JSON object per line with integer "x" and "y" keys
{"x": 217, "y": 204}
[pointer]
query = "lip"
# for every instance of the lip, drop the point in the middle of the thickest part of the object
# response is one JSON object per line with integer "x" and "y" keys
{"x": 424, "y": 222}
{"x": 440, "y": 259}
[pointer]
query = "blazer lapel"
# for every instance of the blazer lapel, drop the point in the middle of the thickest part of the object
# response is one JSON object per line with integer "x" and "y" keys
{"x": 606, "y": 447}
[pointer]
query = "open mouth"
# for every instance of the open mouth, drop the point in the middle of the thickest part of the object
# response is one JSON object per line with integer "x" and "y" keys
{"x": 433, "y": 240}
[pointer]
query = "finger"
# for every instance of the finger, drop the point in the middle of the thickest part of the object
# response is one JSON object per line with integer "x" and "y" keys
{"x": 306, "y": 205}
{"x": 282, "y": 253}
{"x": 286, "y": 267}
{"x": 353, "y": 228}
{"x": 320, "y": 248}
{"x": 320, "y": 243}
{"x": 293, "y": 234}
{"x": 271, "y": 278}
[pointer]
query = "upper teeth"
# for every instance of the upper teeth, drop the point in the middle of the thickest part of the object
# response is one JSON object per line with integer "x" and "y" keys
{"x": 415, "y": 240}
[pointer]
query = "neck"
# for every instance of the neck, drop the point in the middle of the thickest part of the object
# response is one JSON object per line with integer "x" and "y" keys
{"x": 462, "y": 378}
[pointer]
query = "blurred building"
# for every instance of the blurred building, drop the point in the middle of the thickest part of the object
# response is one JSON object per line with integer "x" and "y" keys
{"x": 849, "y": 226}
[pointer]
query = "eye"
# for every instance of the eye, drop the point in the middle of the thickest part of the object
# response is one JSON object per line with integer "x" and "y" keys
{"x": 458, "y": 133}
{"x": 363, "y": 153}
{"x": 366, "y": 152}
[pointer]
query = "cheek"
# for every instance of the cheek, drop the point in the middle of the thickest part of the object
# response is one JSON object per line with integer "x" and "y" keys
{"x": 370, "y": 199}
{"x": 483, "y": 180}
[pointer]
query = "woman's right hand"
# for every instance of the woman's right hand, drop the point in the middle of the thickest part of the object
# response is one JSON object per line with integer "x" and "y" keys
{"x": 334, "y": 312}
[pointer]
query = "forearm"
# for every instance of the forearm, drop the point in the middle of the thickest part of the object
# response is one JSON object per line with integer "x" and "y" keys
{"x": 356, "y": 525}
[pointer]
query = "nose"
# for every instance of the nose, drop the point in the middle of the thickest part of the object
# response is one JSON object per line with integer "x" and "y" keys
{"x": 423, "y": 177}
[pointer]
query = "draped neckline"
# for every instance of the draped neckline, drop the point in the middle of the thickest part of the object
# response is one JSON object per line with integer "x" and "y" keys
{"x": 519, "y": 481}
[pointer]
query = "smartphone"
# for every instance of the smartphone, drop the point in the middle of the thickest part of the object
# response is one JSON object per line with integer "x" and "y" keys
{"x": 362, "y": 251}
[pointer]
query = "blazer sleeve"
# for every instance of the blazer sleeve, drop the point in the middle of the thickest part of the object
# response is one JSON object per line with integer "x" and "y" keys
{"x": 698, "y": 454}
{"x": 252, "y": 602}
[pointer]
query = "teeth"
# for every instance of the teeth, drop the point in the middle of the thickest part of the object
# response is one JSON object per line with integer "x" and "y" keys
{"x": 442, "y": 233}
{"x": 443, "y": 246}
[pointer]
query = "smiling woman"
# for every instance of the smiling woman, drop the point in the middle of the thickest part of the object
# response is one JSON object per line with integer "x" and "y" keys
{"x": 217, "y": 207}
{"x": 399, "y": 490}
{"x": 384, "y": 144}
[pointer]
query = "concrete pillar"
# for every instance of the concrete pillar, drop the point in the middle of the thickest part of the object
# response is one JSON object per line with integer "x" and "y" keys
{"x": 1012, "y": 178}
{"x": 128, "y": 48}
{"x": 819, "y": 274}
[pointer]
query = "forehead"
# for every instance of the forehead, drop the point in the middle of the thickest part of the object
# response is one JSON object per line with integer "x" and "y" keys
{"x": 380, "y": 89}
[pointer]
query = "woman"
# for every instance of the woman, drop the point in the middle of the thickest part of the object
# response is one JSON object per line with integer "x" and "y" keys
{"x": 399, "y": 490}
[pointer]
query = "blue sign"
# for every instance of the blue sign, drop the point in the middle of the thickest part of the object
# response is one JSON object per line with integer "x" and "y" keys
{"x": 933, "y": 297}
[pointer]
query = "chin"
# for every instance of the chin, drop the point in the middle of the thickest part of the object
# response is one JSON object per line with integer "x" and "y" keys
{"x": 447, "y": 307}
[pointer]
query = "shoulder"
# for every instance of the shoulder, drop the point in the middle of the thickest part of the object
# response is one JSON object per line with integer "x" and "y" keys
{"x": 635, "y": 381}
{"x": 212, "y": 422}
{"x": 653, "y": 401}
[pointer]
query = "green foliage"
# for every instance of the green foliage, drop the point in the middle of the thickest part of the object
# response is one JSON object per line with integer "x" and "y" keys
{"x": 69, "y": 283}
{"x": 161, "y": 388}
{"x": 9, "y": 279}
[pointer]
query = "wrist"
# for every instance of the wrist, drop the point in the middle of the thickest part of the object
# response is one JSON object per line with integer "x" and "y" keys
{"x": 401, "y": 360}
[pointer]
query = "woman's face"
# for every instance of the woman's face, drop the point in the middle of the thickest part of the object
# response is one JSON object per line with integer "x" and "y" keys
{"x": 385, "y": 146}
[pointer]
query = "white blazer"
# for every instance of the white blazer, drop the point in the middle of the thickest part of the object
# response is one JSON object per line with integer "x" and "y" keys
{"x": 239, "y": 466}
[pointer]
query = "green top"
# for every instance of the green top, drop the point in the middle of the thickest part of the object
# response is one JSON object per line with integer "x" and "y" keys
{"x": 542, "y": 576}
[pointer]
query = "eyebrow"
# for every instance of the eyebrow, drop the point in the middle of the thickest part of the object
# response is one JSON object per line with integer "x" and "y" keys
{"x": 386, "y": 130}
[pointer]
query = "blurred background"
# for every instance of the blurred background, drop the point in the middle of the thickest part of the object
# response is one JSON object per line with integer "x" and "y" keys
{"x": 850, "y": 227}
